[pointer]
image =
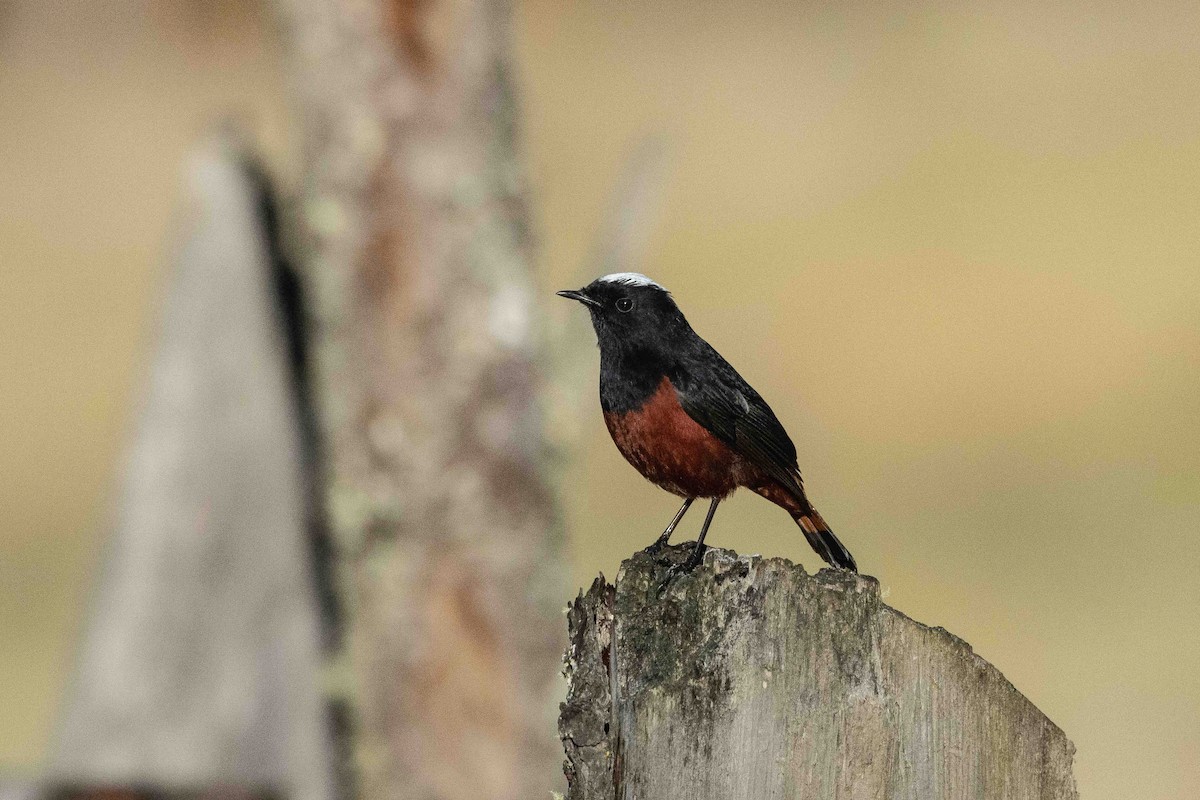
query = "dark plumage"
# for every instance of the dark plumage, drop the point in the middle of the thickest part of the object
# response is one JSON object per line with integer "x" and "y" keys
{"x": 684, "y": 418}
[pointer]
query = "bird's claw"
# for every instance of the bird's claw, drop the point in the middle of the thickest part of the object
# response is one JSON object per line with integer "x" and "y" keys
{"x": 678, "y": 569}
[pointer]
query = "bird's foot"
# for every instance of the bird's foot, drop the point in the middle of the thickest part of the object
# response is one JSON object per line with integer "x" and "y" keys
{"x": 676, "y": 570}
{"x": 657, "y": 547}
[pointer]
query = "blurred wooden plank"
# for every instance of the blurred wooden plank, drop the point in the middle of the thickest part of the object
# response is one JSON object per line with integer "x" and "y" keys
{"x": 199, "y": 663}
{"x": 216, "y": 792}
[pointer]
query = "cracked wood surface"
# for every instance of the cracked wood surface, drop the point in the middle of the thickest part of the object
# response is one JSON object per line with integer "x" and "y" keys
{"x": 752, "y": 680}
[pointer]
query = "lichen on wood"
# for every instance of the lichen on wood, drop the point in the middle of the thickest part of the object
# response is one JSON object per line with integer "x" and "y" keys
{"x": 751, "y": 679}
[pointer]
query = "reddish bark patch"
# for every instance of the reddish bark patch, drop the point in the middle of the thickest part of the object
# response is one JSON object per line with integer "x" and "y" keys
{"x": 405, "y": 22}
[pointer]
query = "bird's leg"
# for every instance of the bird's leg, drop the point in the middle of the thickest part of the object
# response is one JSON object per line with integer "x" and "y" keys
{"x": 697, "y": 554}
{"x": 661, "y": 542}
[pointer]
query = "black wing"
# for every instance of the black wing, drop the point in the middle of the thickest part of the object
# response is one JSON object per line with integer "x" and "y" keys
{"x": 716, "y": 396}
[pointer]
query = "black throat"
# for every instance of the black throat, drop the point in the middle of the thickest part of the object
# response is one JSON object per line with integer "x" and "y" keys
{"x": 629, "y": 376}
{"x": 643, "y": 338}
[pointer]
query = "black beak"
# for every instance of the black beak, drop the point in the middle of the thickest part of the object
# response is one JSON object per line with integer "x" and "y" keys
{"x": 571, "y": 294}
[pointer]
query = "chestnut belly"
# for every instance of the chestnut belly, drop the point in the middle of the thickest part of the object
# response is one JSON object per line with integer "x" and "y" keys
{"x": 672, "y": 450}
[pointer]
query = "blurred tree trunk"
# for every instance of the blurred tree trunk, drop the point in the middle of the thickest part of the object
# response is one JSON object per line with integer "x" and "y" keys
{"x": 416, "y": 235}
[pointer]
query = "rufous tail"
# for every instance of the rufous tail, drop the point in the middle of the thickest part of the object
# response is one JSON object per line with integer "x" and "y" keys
{"x": 821, "y": 539}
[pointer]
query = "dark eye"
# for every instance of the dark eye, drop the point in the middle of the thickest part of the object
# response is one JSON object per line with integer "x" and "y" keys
{"x": 624, "y": 304}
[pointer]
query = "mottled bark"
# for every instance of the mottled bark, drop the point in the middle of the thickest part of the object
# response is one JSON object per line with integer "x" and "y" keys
{"x": 750, "y": 679}
{"x": 418, "y": 247}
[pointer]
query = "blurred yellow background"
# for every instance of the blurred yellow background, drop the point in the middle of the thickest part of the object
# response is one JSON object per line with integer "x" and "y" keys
{"x": 956, "y": 249}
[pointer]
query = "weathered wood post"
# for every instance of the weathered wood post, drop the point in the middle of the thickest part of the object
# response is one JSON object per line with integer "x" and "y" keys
{"x": 751, "y": 679}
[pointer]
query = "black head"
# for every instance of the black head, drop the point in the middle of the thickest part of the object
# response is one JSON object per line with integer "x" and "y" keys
{"x": 630, "y": 311}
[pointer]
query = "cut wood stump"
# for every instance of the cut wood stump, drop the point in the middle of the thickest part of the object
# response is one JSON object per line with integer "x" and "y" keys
{"x": 750, "y": 679}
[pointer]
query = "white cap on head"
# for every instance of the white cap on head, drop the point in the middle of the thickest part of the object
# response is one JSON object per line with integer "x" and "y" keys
{"x": 631, "y": 279}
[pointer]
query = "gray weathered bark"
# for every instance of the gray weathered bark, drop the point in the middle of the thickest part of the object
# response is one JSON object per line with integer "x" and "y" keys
{"x": 750, "y": 680}
{"x": 199, "y": 665}
{"x": 440, "y": 498}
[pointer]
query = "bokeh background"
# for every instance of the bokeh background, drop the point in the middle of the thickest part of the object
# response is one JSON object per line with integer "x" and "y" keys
{"x": 955, "y": 248}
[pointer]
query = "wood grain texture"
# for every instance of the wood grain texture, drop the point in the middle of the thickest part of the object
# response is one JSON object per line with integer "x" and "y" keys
{"x": 752, "y": 680}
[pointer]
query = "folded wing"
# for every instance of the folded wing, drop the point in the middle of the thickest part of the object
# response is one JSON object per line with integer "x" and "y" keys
{"x": 717, "y": 397}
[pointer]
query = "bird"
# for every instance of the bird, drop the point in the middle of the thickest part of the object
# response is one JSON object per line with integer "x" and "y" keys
{"x": 685, "y": 419}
